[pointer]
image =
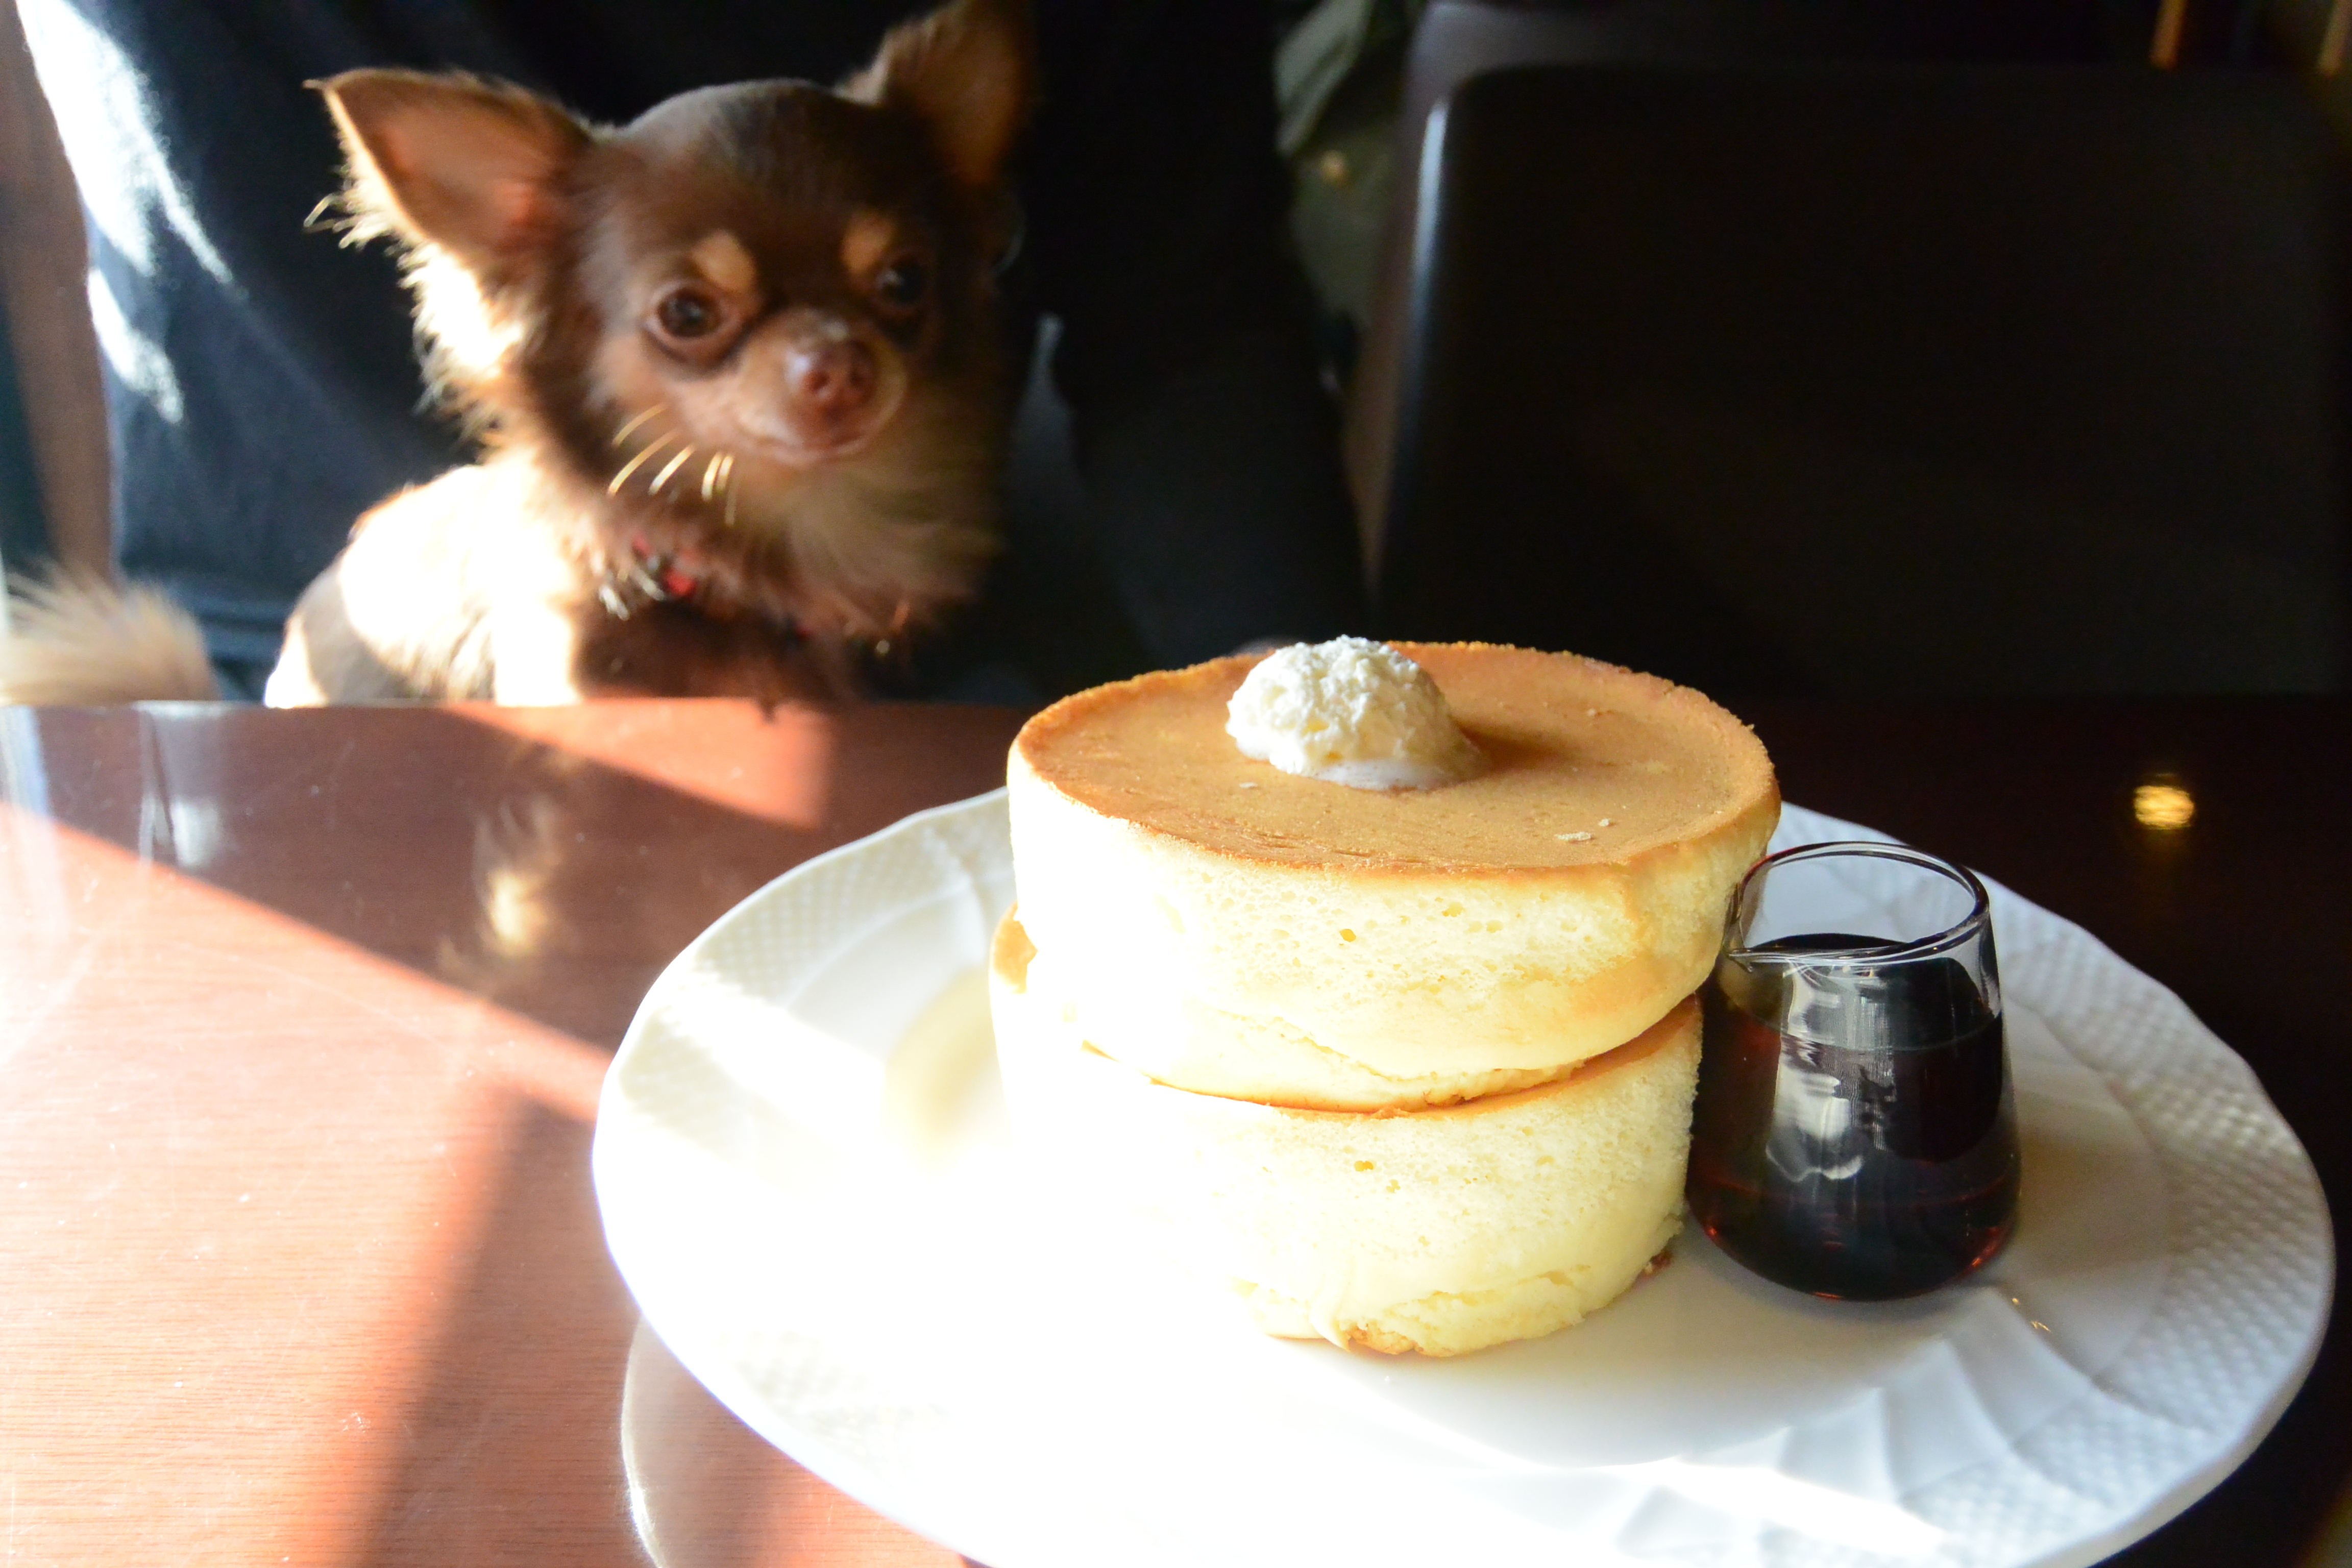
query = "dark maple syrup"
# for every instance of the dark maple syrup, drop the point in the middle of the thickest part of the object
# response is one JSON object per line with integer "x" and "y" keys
{"x": 1855, "y": 1135}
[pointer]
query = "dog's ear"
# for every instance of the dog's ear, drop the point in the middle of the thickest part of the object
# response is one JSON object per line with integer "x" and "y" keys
{"x": 968, "y": 71}
{"x": 471, "y": 166}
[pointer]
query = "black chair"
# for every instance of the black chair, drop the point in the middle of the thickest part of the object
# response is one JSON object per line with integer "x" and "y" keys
{"x": 1880, "y": 379}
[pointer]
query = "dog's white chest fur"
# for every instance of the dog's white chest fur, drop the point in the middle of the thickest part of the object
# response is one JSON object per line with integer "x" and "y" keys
{"x": 459, "y": 589}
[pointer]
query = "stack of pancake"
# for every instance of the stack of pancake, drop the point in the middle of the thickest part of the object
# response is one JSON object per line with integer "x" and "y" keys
{"x": 1409, "y": 1069}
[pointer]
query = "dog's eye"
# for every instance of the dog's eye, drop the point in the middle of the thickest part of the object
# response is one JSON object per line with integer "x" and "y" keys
{"x": 688, "y": 312}
{"x": 903, "y": 283}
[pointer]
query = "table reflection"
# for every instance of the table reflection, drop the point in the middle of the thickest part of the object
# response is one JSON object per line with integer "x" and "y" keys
{"x": 705, "y": 1492}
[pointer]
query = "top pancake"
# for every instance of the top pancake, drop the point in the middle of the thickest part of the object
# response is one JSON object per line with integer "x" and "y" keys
{"x": 1570, "y": 742}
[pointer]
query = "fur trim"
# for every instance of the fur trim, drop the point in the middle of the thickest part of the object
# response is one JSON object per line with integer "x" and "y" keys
{"x": 78, "y": 641}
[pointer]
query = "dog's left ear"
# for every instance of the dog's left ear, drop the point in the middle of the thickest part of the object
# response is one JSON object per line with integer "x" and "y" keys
{"x": 968, "y": 71}
{"x": 474, "y": 167}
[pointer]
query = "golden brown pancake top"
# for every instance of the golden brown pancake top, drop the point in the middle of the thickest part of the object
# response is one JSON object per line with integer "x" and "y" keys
{"x": 1568, "y": 741}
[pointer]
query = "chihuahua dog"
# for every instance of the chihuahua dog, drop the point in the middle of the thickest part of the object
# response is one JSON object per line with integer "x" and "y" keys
{"x": 739, "y": 371}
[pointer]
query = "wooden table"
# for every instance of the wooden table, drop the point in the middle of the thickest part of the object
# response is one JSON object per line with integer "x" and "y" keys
{"x": 303, "y": 1017}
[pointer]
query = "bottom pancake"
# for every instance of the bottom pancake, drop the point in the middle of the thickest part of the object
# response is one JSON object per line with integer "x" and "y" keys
{"x": 1440, "y": 1230}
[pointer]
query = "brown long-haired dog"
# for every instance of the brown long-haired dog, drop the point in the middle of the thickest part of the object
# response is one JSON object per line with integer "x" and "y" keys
{"x": 738, "y": 371}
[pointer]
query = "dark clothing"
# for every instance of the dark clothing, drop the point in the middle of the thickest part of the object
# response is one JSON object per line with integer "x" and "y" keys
{"x": 263, "y": 388}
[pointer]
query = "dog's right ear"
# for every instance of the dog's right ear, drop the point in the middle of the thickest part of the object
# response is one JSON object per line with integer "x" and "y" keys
{"x": 470, "y": 166}
{"x": 968, "y": 71}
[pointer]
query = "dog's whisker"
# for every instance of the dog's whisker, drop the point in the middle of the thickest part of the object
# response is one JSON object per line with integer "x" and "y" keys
{"x": 710, "y": 474}
{"x": 727, "y": 483}
{"x": 668, "y": 468}
{"x": 631, "y": 466}
{"x": 621, "y": 436}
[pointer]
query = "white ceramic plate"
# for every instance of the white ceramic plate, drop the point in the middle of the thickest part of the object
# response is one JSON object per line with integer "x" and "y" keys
{"x": 801, "y": 1161}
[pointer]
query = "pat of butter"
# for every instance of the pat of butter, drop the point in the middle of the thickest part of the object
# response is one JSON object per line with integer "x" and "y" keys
{"x": 1349, "y": 711}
